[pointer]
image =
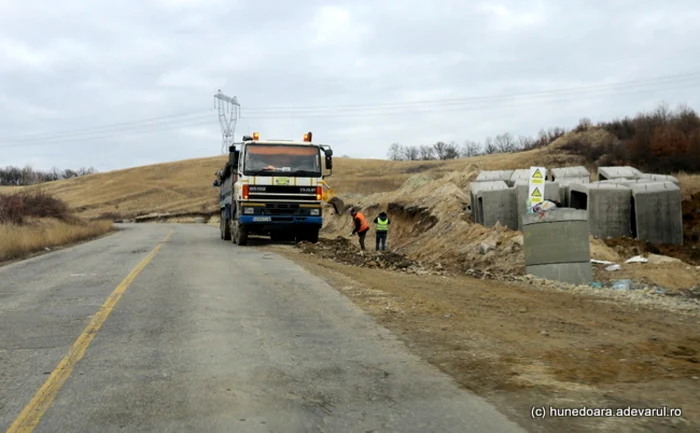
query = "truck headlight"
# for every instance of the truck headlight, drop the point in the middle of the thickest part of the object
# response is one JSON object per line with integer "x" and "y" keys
{"x": 315, "y": 212}
{"x": 248, "y": 210}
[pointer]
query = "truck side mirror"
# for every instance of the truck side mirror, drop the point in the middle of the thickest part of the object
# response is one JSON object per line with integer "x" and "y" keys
{"x": 329, "y": 161}
{"x": 236, "y": 157}
{"x": 216, "y": 183}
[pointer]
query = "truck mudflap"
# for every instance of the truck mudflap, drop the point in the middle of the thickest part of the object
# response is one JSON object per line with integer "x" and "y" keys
{"x": 280, "y": 219}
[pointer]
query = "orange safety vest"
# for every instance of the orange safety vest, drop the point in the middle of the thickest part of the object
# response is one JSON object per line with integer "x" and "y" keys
{"x": 363, "y": 222}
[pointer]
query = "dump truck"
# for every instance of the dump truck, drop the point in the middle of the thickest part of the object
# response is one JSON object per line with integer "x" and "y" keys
{"x": 273, "y": 188}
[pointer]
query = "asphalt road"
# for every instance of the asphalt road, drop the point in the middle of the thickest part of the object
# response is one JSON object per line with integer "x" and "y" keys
{"x": 209, "y": 336}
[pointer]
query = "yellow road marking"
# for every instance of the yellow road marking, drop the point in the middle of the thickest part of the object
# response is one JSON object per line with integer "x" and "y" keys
{"x": 32, "y": 413}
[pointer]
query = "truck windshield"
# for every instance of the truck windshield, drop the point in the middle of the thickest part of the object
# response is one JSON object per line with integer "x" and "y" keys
{"x": 282, "y": 159}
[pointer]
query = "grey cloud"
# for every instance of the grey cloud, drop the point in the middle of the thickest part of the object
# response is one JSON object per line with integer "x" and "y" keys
{"x": 77, "y": 64}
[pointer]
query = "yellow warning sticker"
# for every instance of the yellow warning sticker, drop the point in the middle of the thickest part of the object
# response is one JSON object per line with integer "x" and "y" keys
{"x": 537, "y": 174}
{"x": 536, "y": 193}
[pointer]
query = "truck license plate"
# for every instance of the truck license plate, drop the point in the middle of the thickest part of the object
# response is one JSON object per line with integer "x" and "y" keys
{"x": 262, "y": 218}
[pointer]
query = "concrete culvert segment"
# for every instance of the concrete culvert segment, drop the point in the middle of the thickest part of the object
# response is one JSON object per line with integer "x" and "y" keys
{"x": 578, "y": 172}
{"x": 623, "y": 172}
{"x": 609, "y": 208}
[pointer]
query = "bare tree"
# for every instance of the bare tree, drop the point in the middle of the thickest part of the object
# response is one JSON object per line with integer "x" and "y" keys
{"x": 505, "y": 143}
{"x": 426, "y": 152}
{"x": 584, "y": 124}
{"x": 525, "y": 143}
{"x": 439, "y": 148}
{"x": 451, "y": 151}
{"x": 470, "y": 149}
{"x": 395, "y": 152}
{"x": 411, "y": 153}
{"x": 489, "y": 146}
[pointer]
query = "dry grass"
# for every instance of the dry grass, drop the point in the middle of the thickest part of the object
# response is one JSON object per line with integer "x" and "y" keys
{"x": 17, "y": 241}
{"x": 185, "y": 186}
{"x": 690, "y": 184}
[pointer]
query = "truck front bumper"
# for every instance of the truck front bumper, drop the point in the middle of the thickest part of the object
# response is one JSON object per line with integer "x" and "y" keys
{"x": 277, "y": 220}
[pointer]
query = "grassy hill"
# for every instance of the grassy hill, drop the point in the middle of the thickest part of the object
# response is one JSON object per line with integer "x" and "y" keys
{"x": 185, "y": 186}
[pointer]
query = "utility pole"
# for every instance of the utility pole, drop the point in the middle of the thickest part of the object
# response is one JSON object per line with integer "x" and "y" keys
{"x": 229, "y": 111}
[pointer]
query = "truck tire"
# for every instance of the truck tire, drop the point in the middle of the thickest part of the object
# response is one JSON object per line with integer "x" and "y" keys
{"x": 226, "y": 227}
{"x": 312, "y": 236}
{"x": 308, "y": 235}
{"x": 239, "y": 234}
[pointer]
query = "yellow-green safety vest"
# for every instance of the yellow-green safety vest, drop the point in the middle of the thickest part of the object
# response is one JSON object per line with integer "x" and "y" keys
{"x": 382, "y": 225}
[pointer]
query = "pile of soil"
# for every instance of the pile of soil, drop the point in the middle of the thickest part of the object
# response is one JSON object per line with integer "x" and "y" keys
{"x": 342, "y": 250}
{"x": 431, "y": 223}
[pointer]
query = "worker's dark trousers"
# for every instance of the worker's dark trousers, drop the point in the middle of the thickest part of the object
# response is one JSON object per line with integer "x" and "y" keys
{"x": 381, "y": 238}
{"x": 362, "y": 239}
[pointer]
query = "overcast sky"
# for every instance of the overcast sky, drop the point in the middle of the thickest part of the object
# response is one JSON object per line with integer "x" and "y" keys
{"x": 81, "y": 80}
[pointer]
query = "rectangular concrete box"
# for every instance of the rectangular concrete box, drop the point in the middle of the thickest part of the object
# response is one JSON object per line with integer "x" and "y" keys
{"x": 565, "y": 187}
{"x": 558, "y": 236}
{"x": 551, "y": 193}
{"x": 609, "y": 207}
{"x": 660, "y": 178}
{"x": 569, "y": 172}
{"x": 519, "y": 175}
{"x": 498, "y": 205}
{"x": 475, "y": 188}
{"x": 494, "y": 175}
{"x": 557, "y": 247}
{"x": 623, "y": 172}
{"x": 625, "y": 181}
{"x": 657, "y": 214}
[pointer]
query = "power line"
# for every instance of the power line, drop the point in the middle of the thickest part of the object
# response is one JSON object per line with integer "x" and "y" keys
{"x": 175, "y": 122}
{"x": 582, "y": 89}
{"x": 196, "y": 122}
{"x": 450, "y": 105}
{"x": 465, "y": 107}
{"x": 68, "y": 140}
{"x": 350, "y": 108}
{"x": 107, "y": 126}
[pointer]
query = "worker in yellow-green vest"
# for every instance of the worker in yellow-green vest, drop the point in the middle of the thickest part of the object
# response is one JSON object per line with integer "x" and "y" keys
{"x": 382, "y": 222}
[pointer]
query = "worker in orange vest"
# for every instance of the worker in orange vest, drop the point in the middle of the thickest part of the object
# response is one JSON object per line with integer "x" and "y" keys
{"x": 361, "y": 226}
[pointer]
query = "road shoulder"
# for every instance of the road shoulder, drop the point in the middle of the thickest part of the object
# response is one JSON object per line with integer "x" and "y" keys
{"x": 521, "y": 346}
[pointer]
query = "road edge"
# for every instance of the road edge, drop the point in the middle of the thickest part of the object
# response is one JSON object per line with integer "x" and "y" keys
{"x": 57, "y": 248}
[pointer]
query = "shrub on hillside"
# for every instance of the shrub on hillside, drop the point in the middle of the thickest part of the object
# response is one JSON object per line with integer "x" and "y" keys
{"x": 15, "y": 208}
{"x": 660, "y": 141}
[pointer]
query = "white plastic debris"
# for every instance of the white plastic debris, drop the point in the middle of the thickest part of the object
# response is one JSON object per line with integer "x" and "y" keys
{"x": 637, "y": 259}
{"x": 601, "y": 262}
{"x": 613, "y": 268}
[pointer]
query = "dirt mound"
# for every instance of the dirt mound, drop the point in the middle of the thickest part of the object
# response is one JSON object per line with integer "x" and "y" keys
{"x": 430, "y": 224}
{"x": 343, "y": 251}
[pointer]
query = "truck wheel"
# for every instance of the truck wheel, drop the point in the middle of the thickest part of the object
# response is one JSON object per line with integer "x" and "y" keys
{"x": 312, "y": 236}
{"x": 226, "y": 232}
{"x": 239, "y": 234}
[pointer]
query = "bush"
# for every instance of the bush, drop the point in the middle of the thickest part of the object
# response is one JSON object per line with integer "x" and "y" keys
{"x": 661, "y": 141}
{"x": 15, "y": 208}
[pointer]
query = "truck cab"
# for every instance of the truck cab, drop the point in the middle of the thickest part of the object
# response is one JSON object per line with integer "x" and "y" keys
{"x": 272, "y": 188}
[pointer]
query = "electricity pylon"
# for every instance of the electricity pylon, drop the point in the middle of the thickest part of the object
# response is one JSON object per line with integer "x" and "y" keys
{"x": 229, "y": 112}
